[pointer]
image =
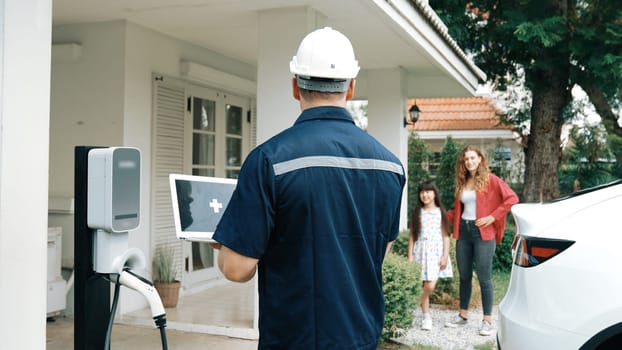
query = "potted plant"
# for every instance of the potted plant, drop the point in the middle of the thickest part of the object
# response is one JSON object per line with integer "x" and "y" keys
{"x": 164, "y": 276}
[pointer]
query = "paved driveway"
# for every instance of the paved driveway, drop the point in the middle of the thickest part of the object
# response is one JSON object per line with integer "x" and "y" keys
{"x": 60, "y": 337}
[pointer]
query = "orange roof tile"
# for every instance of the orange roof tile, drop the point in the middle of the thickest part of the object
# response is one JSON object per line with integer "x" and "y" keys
{"x": 469, "y": 113}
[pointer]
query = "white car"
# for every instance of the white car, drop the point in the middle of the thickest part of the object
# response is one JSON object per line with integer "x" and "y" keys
{"x": 565, "y": 288}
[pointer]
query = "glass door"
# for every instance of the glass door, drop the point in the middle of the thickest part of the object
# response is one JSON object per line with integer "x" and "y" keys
{"x": 220, "y": 134}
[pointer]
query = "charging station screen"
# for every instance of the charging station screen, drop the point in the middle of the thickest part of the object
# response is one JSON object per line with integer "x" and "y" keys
{"x": 125, "y": 189}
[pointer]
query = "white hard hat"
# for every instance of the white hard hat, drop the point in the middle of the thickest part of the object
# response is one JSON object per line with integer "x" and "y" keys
{"x": 325, "y": 53}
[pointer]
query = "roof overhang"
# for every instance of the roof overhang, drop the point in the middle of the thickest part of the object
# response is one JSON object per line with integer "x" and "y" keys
{"x": 386, "y": 34}
{"x": 466, "y": 134}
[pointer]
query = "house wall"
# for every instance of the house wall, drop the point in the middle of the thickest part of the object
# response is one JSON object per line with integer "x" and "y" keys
{"x": 86, "y": 109}
{"x": 104, "y": 98}
{"x": 274, "y": 89}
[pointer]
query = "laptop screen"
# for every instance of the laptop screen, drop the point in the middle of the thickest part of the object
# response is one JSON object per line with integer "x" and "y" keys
{"x": 198, "y": 204}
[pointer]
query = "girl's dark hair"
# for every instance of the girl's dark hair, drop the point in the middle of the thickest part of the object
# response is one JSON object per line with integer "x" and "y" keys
{"x": 415, "y": 218}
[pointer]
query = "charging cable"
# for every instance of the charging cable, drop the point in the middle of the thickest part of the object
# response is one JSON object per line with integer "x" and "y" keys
{"x": 147, "y": 289}
{"x": 113, "y": 311}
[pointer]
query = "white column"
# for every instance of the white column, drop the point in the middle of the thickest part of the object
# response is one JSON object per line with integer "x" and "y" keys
{"x": 386, "y": 92}
{"x": 25, "y": 48}
{"x": 280, "y": 33}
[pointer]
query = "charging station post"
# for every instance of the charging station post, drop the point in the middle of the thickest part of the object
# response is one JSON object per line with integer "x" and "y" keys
{"x": 91, "y": 291}
{"x": 107, "y": 197}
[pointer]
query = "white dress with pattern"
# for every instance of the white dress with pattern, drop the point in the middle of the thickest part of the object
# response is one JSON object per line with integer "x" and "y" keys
{"x": 428, "y": 249}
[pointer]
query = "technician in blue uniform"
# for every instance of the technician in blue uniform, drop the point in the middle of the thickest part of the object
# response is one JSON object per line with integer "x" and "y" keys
{"x": 314, "y": 209}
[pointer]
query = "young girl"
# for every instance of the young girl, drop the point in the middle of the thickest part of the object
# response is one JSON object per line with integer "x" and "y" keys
{"x": 429, "y": 244}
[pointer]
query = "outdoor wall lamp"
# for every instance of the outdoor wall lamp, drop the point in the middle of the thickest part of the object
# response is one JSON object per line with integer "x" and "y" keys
{"x": 413, "y": 115}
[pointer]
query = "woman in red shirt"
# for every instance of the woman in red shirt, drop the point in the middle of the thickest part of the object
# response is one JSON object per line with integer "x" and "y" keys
{"x": 481, "y": 205}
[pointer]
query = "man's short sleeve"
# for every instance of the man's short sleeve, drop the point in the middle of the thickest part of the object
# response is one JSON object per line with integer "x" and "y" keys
{"x": 248, "y": 221}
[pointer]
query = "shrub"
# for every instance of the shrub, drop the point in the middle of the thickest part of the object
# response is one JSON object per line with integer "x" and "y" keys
{"x": 164, "y": 265}
{"x": 447, "y": 289}
{"x": 446, "y": 177}
{"x": 400, "y": 245}
{"x": 400, "y": 287}
{"x": 418, "y": 156}
{"x": 503, "y": 254}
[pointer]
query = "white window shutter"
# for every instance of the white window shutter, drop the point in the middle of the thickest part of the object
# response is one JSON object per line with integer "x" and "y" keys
{"x": 168, "y": 139}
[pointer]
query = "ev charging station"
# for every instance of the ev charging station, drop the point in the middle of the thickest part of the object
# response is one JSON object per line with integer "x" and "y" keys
{"x": 113, "y": 207}
{"x": 107, "y": 208}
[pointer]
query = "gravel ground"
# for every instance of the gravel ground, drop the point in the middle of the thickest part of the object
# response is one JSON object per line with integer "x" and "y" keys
{"x": 461, "y": 338}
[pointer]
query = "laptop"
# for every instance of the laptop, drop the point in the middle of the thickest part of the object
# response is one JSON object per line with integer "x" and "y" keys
{"x": 198, "y": 204}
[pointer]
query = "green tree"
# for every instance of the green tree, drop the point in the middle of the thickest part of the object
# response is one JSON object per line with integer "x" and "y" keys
{"x": 615, "y": 145}
{"x": 418, "y": 156}
{"x": 555, "y": 44}
{"x": 446, "y": 177}
{"x": 588, "y": 161}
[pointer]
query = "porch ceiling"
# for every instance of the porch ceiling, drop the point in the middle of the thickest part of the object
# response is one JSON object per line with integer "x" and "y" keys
{"x": 230, "y": 27}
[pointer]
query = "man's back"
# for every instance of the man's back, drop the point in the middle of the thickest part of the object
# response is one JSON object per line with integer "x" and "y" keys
{"x": 314, "y": 209}
{"x": 329, "y": 205}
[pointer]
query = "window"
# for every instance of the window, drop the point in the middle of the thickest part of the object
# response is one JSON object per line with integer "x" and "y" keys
{"x": 501, "y": 159}
{"x": 220, "y": 135}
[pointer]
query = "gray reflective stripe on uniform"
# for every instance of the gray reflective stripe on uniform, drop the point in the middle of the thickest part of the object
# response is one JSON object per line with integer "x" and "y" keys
{"x": 336, "y": 162}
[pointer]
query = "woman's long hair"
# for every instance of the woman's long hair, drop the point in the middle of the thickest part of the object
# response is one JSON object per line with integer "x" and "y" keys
{"x": 415, "y": 219}
{"x": 462, "y": 174}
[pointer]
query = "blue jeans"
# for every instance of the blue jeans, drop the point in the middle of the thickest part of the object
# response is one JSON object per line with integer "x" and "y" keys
{"x": 470, "y": 249}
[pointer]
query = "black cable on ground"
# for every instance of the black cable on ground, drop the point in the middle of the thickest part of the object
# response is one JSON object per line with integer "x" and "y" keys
{"x": 113, "y": 310}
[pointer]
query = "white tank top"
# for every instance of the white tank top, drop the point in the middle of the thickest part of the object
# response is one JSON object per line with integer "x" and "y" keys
{"x": 468, "y": 203}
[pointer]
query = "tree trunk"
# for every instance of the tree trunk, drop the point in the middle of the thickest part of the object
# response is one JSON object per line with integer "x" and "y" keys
{"x": 600, "y": 102}
{"x": 543, "y": 153}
